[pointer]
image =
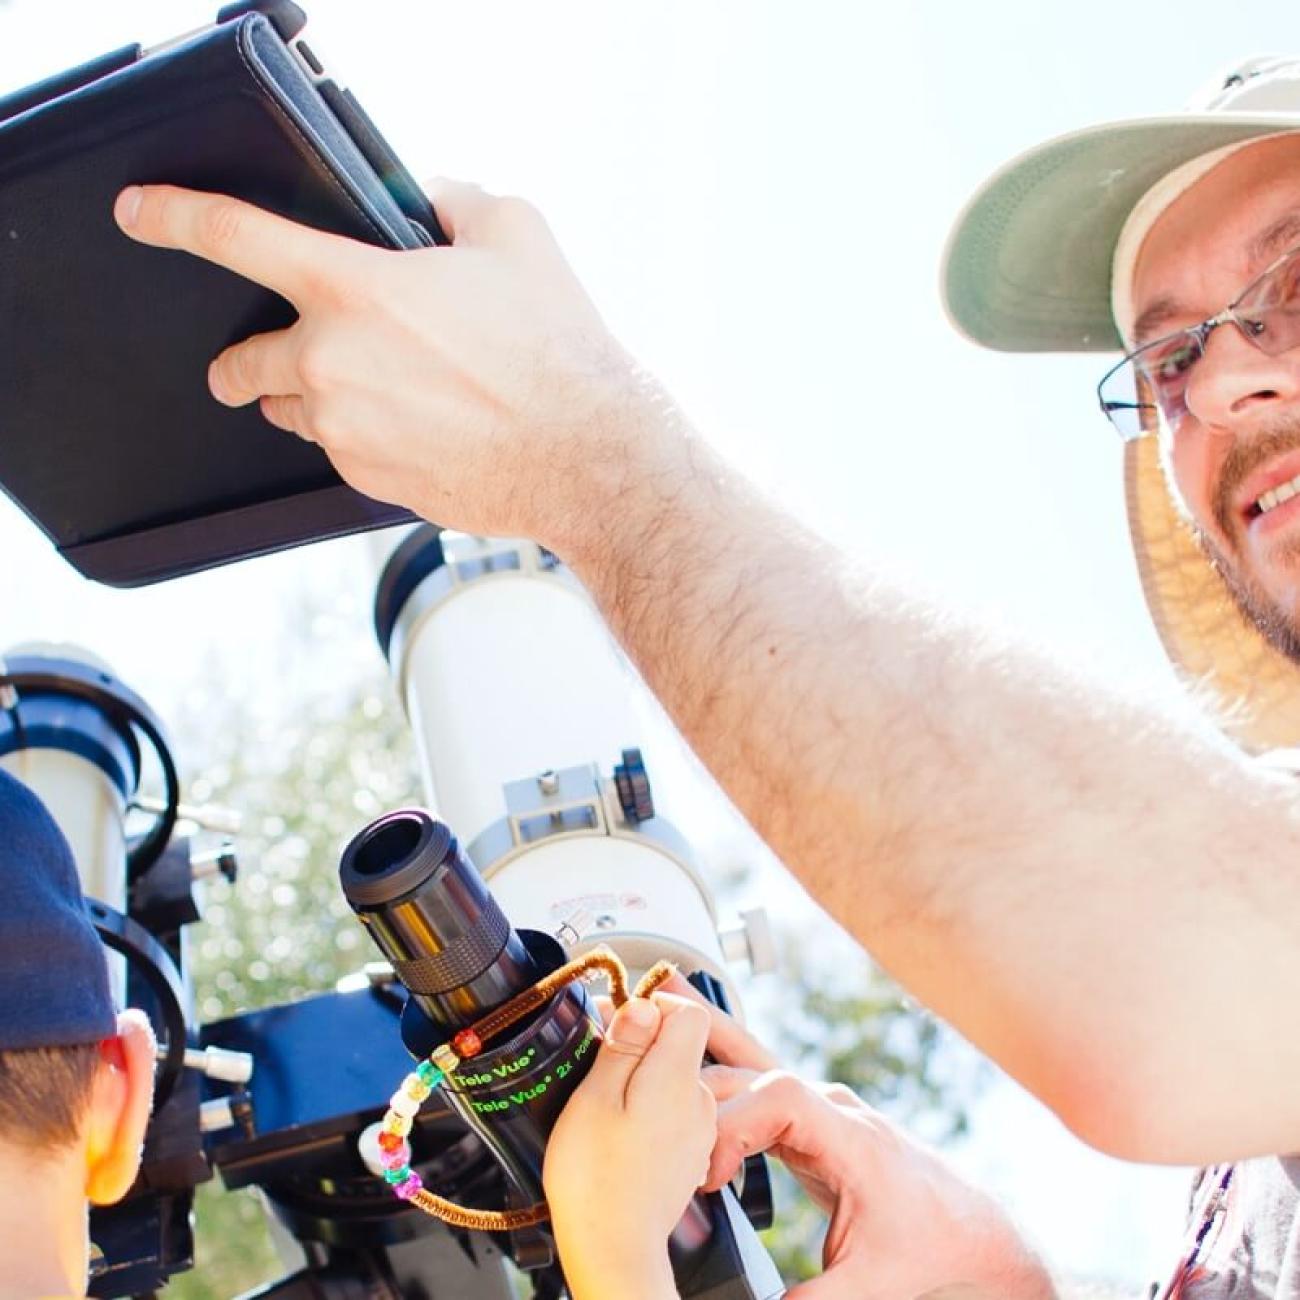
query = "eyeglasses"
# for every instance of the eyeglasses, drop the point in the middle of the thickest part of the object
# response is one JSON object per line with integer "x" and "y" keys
{"x": 1149, "y": 387}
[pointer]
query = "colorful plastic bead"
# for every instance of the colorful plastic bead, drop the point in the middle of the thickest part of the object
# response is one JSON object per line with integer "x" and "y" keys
{"x": 444, "y": 1058}
{"x": 429, "y": 1073}
{"x": 391, "y": 1141}
{"x": 398, "y": 1175}
{"x": 409, "y": 1188}
{"x": 396, "y": 1159}
{"x": 416, "y": 1087}
{"x": 402, "y": 1103}
{"x": 467, "y": 1043}
{"x": 399, "y": 1124}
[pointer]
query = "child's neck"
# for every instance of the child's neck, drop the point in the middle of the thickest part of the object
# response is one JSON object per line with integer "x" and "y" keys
{"x": 43, "y": 1249}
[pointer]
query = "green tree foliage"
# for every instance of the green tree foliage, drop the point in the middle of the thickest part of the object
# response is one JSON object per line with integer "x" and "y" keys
{"x": 305, "y": 779}
{"x": 306, "y": 770}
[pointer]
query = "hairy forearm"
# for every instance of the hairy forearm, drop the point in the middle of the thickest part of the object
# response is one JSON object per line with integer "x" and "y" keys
{"x": 1083, "y": 884}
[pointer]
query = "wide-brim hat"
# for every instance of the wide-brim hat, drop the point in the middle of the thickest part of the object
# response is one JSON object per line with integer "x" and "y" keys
{"x": 1028, "y": 269}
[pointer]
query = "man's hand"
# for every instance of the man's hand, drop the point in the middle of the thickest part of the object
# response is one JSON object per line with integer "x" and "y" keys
{"x": 903, "y": 1224}
{"x": 472, "y": 384}
{"x": 629, "y": 1150}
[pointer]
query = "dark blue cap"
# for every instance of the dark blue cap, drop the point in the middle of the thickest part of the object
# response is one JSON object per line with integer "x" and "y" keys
{"x": 53, "y": 970}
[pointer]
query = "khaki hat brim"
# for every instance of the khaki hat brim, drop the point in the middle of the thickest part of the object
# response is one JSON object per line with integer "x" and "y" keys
{"x": 1028, "y": 265}
{"x": 1202, "y": 630}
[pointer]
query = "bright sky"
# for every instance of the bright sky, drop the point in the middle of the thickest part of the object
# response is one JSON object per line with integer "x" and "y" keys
{"x": 757, "y": 194}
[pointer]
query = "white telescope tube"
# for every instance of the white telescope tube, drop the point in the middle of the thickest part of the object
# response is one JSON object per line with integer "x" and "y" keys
{"x": 520, "y": 703}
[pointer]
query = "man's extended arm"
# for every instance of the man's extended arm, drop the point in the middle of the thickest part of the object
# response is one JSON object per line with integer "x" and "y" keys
{"x": 1102, "y": 897}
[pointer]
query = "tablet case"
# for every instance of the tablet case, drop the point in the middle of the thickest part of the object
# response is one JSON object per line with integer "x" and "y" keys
{"x": 109, "y": 438}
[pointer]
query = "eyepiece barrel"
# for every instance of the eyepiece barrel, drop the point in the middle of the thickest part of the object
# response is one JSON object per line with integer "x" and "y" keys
{"x": 431, "y": 915}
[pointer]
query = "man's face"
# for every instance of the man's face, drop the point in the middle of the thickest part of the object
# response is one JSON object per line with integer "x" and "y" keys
{"x": 1241, "y": 436}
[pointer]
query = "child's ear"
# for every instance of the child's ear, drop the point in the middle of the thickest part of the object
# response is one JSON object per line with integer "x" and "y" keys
{"x": 120, "y": 1102}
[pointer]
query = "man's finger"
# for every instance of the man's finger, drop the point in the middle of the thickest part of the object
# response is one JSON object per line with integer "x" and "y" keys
{"x": 729, "y": 1043}
{"x": 748, "y": 1124}
{"x": 270, "y": 250}
{"x": 777, "y": 1110}
{"x": 264, "y": 364}
{"x": 472, "y": 216}
{"x": 630, "y": 1036}
{"x": 458, "y": 205}
{"x": 725, "y": 1081}
{"x": 286, "y": 412}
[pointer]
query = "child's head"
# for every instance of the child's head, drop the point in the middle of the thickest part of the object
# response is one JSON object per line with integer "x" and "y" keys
{"x": 75, "y": 1079}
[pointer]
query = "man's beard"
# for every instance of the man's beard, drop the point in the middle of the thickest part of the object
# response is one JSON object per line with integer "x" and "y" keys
{"x": 1276, "y": 624}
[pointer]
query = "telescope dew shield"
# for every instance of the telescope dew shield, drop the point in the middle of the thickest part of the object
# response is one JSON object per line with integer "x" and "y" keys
{"x": 83, "y": 765}
{"x": 429, "y": 912}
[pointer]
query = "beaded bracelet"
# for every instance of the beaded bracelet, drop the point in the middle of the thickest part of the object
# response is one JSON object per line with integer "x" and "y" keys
{"x": 405, "y": 1103}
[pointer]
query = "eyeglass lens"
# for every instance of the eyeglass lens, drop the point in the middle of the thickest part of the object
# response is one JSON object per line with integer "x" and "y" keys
{"x": 1150, "y": 385}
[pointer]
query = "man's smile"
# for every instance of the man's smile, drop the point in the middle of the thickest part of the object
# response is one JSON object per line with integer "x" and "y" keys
{"x": 1257, "y": 483}
{"x": 1263, "y": 498}
{"x": 1274, "y": 497}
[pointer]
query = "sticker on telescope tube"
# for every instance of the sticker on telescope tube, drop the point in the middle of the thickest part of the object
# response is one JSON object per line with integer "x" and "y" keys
{"x": 532, "y": 1088}
{"x": 598, "y": 903}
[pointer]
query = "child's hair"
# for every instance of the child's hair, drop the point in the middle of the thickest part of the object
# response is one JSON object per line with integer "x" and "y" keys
{"x": 44, "y": 1092}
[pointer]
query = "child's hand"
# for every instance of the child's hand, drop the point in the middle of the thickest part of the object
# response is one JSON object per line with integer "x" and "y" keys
{"x": 629, "y": 1150}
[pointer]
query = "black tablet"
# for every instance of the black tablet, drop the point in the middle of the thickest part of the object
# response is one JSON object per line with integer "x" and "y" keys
{"x": 109, "y": 438}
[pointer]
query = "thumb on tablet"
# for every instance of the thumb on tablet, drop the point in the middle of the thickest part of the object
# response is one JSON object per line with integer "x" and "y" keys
{"x": 472, "y": 216}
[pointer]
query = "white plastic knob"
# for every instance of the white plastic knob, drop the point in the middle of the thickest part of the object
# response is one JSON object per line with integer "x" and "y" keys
{"x": 751, "y": 941}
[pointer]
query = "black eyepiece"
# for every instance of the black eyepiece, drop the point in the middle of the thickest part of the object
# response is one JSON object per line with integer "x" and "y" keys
{"x": 392, "y": 857}
{"x": 431, "y": 915}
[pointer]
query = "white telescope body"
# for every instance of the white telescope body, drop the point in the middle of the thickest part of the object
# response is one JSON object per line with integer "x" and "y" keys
{"x": 520, "y": 703}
